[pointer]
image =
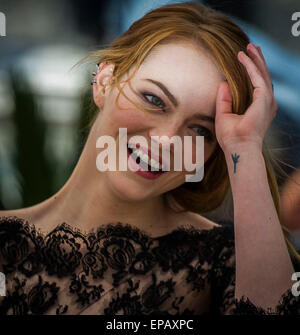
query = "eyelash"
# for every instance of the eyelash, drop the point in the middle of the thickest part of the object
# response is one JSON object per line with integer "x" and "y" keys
{"x": 208, "y": 135}
{"x": 145, "y": 94}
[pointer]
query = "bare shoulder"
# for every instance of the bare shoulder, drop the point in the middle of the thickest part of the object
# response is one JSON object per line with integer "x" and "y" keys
{"x": 197, "y": 221}
{"x": 30, "y": 215}
{"x": 19, "y": 213}
{"x": 11, "y": 213}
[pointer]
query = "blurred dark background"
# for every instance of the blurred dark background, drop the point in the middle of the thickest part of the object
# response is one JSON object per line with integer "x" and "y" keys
{"x": 45, "y": 106}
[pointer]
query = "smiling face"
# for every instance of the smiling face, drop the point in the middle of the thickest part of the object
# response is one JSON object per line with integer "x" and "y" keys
{"x": 183, "y": 81}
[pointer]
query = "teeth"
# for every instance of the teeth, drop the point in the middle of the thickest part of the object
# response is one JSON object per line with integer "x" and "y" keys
{"x": 154, "y": 163}
{"x": 145, "y": 157}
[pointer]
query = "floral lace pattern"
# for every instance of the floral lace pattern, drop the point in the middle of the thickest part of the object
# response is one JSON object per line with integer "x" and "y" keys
{"x": 120, "y": 270}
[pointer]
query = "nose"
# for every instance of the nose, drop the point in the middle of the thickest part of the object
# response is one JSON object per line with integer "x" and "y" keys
{"x": 166, "y": 137}
{"x": 164, "y": 132}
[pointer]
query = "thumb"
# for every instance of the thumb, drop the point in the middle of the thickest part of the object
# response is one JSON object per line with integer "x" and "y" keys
{"x": 224, "y": 100}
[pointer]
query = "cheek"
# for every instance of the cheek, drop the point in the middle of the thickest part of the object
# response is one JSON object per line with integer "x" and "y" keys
{"x": 126, "y": 115}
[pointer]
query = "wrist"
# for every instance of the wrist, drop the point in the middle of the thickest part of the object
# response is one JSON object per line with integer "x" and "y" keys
{"x": 243, "y": 157}
{"x": 252, "y": 147}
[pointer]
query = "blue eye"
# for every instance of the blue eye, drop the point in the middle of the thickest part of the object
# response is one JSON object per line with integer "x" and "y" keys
{"x": 154, "y": 100}
{"x": 202, "y": 131}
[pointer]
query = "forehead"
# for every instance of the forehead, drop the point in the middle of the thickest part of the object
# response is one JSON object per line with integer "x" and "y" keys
{"x": 187, "y": 70}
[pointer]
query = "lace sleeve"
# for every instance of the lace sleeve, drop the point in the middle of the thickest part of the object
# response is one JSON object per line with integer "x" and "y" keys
{"x": 223, "y": 282}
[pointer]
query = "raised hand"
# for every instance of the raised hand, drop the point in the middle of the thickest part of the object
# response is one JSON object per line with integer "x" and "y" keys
{"x": 250, "y": 127}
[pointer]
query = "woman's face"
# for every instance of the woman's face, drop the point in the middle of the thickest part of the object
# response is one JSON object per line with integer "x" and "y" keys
{"x": 182, "y": 80}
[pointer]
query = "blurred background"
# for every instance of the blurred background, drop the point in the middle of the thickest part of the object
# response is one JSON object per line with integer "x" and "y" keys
{"x": 45, "y": 104}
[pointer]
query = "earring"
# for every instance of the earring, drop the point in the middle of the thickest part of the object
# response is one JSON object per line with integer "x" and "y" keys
{"x": 94, "y": 73}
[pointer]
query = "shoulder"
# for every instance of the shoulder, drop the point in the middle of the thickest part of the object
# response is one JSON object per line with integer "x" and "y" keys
{"x": 221, "y": 231}
{"x": 29, "y": 216}
{"x": 41, "y": 216}
{"x": 219, "y": 234}
{"x": 13, "y": 220}
{"x": 198, "y": 221}
{"x": 216, "y": 238}
{"x": 23, "y": 214}
{"x": 15, "y": 212}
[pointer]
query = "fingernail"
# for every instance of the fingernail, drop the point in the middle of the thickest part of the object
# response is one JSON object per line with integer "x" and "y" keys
{"x": 251, "y": 46}
{"x": 241, "y": 54}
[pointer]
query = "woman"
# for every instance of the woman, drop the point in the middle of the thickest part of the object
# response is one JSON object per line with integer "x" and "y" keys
{"x": 121, "y": 242}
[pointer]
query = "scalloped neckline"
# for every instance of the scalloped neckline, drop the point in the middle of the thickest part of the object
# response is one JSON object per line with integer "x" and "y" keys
{"x": 104, "y": 227}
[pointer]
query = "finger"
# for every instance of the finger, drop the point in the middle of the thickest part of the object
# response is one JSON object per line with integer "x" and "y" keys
{"x": 259, "y": 60}
{"x": 253, "y": 71}
{"x": 224, "y": 100}
{"x": 261, "y": 54}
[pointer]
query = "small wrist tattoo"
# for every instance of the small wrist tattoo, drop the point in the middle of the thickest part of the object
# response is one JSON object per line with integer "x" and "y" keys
{"x": 235, "y": 159}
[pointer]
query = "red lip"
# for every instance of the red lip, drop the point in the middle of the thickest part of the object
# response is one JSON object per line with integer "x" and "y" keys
{"x": 164, "y": 163}
{"x": 145, "y": 174}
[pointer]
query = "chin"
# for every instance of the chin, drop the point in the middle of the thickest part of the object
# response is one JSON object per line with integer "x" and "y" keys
{"x": 129, "y": 189}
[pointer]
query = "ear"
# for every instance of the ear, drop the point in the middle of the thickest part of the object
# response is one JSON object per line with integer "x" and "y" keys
{"x": 102, "y": 79}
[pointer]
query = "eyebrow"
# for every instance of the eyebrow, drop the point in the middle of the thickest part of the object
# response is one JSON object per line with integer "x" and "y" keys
{"x": 175, "y": 102}
{"x": 203, "y": 118}
{"x": 165, "y": 90}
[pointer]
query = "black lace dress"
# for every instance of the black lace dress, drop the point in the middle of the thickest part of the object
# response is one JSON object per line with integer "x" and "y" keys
{"x": 118, "y": 269}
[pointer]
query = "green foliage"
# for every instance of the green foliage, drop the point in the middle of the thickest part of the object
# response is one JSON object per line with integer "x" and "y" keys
{"x": 35, "y": 174}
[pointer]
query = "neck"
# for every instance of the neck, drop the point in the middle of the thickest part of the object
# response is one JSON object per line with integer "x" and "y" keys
{"x": 86, "y": 201}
